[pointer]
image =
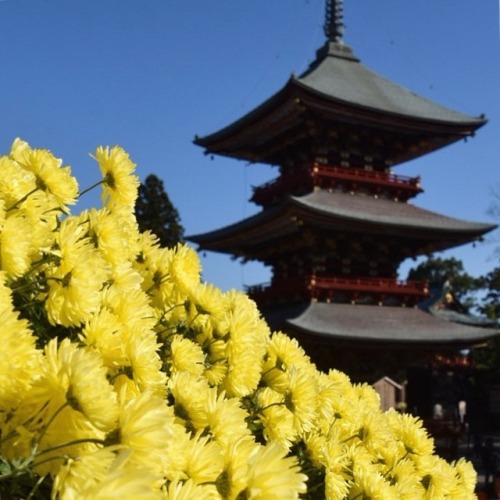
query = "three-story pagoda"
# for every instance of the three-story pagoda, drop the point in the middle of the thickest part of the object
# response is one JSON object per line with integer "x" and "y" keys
{"x": 337, "y": 222}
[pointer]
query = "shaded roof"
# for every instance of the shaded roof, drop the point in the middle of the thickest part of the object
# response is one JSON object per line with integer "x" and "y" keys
{"x": 341, "y": 91}
{"x": 342, "y": 212}
{"x": 340, "y": 75}
{"x": 373, "y": 324}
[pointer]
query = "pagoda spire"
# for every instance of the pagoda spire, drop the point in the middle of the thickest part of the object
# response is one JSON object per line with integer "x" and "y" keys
{"x": 334, "y": 20}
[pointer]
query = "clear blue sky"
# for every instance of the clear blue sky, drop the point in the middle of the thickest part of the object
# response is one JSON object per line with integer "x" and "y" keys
{"x": 150, "y": 74}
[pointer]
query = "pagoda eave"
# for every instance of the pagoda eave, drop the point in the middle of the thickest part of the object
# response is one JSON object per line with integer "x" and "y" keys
{"x": 375, "y": 325}
{"x": 342, "y": 213}
{"x": 298, "y": 111}
{"x": 381, "y": 119}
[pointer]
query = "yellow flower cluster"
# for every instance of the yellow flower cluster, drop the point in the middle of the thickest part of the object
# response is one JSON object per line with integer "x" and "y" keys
{"x": 123, "y": 374}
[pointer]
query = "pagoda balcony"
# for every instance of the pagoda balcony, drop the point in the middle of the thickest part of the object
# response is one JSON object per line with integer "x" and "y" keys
{"x": 304, "y": 180}
{"x": 322, "y": 288}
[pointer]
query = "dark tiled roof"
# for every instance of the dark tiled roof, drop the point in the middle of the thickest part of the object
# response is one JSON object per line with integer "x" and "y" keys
{"x": 374, "y": 324}
{"x": 343, "y": 212}
{"x": 340, "y": 75}
{"x": 386, "y": 212}
{"x": 342, "y": 91}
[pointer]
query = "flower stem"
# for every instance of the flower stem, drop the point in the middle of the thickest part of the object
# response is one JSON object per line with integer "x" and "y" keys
{"x": 86, "y": 190}
{"x": 61, "y": 408}
{"x": 282, "y": 403}
{"x": 69, "y": 443}
{"x": 33, "y": 491}
{"x": 24, "y": 198}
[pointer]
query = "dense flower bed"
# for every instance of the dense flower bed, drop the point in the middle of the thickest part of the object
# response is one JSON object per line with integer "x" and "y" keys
{"x": 122, "y": 373}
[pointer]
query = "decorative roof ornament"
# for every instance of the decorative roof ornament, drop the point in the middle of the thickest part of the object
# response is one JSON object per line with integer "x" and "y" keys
{"x": 334, "y": 20}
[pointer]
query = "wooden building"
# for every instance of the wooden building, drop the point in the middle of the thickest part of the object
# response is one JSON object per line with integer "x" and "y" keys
{"x": 391, "y": 394}
{"x": 336, "y": 223}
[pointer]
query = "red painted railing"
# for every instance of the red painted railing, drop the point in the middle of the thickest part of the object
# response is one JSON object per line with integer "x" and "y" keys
{"x": 366, "y": 176}
{"x": 320, "y": 287}
{"x": 380, "y": 285}
{"x": 326, "y": 177}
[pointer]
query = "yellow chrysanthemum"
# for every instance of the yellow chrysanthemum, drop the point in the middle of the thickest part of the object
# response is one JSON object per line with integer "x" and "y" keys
{"x": 272, "y": 474}
{"x": 185, "y": 268}
{"x": 138, "y": 320}
{"x": 437, "y": 476}
{"x": 147, "y": 246}
{"x": 43, "y": 225}
{"x": 140, "y": 370}
{"x": 227, "y": 420}
{"x": 276, "y": 418}
{"x": 16, "y": 245}
{"x": 125, "y": 278}
{"x": 189, "y": 396}
{"x": 136, "y": 483}
{"x": 105, "y": 476}
{"x": 208, "y": 300}
{"x": 367, "y": 482}
{"x": 76, "y": 283}
{"x": 246, "y": 345}
{"x": 301, "y": 399}
{"x": 19, "y": 358}
{"x": 74, "y": 290}
{"x": 200, "y": 378}
{"x": 77, "y": 378}
{"x": 331, "y": 455}
{"x": 103, "y": 332}
{"x": 367, "y": 395}
{"x": 15, "y": 182}
{"x": 466, "y": 474}
{"x": 216, "y": 363}
{"x": 338, "y": 406}
{"x": 120, "y": 185}
{"x": 370, "y": 429}
{"x": 153, "y": 263}
{"x": 129, "y": 227}
{"x": 329, "y": 400}
{"x": 410, "y": 434}
{"x": 341, "y": 380}
{"x": 105, "y": 230}
{"x": 204, "y": 460}
{"x": 69, "y": 406}
{"x": 68, "y": 435}
{"x": 83, "y": 472}
{"x": 145, "y": 364}
{"x": 144, "y": 431}
{"x": 233, "y": 480}
{"x": 214, "y": 344}
{"x": 188, "y": 490}
{"x": 282, "y": 353}
{"x": 50, "y": 177}
{"x": 185, "y": 355}
{"x": 407, "y": 482}
{"x": 336, "y": 485}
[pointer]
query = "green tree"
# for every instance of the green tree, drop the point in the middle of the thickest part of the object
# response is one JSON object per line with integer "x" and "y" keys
{"x": 156, "y": 213}
{"x": 490, "y": 303}
{"x": 491, "y": 281}
{"x": 489, "y": 357}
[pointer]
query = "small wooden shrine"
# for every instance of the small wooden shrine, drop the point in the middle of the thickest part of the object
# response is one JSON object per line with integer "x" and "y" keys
{"x": 336, "y": 223}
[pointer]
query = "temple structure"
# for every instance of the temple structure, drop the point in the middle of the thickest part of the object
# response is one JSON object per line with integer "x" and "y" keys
{"x": 336, "y": 223}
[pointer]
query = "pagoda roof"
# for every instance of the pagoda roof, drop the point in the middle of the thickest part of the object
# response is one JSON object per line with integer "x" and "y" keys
{"x": 398, "y": 326}
{"x": 343, "y": 212}
{"x": 340, "y": 75}
{"x": 341, "y": 92}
